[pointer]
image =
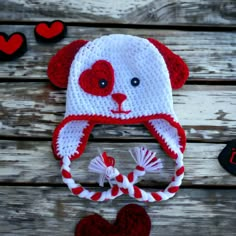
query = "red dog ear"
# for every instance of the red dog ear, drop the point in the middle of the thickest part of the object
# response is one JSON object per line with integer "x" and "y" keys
{"x": 59, "y": 65}
{"x": 177, "y": 68}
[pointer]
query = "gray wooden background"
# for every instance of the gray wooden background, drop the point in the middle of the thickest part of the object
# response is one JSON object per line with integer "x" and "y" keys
{"x": 33, "y": 200}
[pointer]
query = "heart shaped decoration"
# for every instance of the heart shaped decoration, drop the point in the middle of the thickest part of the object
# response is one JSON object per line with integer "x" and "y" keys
{"x": 50, "y": 31}
{"x": 59, "y": 65}
{"x": 132, "y": 220}
{"x": 99, "y": 80}
{"x": 12, "y": 46}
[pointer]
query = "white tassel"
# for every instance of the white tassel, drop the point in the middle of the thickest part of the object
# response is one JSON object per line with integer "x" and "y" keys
{"x": 103, "y": 165}
{"x": 147, "y": 159}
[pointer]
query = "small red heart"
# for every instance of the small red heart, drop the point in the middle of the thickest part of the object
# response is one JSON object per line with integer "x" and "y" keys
{"x": 50, "y": 31}
{"x": 99, "y": 80}
{"x": 132, "y": 220}
{"x": 12, "y": 46}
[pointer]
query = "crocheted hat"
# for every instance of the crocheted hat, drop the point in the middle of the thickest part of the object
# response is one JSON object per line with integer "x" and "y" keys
{"x": 119, "y": 79}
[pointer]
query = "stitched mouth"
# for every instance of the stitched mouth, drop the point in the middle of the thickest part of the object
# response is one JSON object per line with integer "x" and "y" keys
{"x": 119, "y": 111}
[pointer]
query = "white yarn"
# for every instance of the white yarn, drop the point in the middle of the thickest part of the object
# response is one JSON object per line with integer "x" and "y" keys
{"x": 167, "y": 132}
{"x": 130, "y": 57}
{"x": 125, "y": 183}
{"x": 70, "y": 137}
{"x": 97, "y": 165}
{"x": 146, "y": 159}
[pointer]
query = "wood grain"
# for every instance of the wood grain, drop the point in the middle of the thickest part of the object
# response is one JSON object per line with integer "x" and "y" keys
{"x": 34, "y": 109}
{"x": 209, "y": 55}
{"x": 30, "y": 110}
{"x": 53, "y": 211}
{"x": 148, "y": 12}
{"x": 33, "y": 162}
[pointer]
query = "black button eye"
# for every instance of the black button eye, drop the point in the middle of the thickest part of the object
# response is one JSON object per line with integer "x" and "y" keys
{"x": 135, "y": 81}
{"x": 102, "y": 83}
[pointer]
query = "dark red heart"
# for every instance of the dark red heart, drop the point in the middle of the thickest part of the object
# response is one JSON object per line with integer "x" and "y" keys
{"x": 99, "y": 80}
{"x": 50, "y": 31}
{"x": 12, "y": 46}
{"x": 132, "y": 220}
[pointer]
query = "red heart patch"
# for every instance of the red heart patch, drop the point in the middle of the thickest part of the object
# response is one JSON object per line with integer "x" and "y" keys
{"x": 50, "y": 31}
{"x": 12, "y": 46}
{"x": 132, "y": 220}
{"x": 99, "y": 80}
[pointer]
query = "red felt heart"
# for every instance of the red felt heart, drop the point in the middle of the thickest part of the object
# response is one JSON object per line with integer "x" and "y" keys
{"x": 132, "y": 220}
{"x": 10, "y": 46}
{"x": 99, "y": 80}
{"x": 49, "y": 30}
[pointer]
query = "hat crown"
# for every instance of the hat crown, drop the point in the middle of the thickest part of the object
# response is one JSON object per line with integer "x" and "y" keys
{"x": 139, "y": 71}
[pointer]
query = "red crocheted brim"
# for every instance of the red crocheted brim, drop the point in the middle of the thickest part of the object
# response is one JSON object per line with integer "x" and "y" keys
{"x": 106, "y": 120}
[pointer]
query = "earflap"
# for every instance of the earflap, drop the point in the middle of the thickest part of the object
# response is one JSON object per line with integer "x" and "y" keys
{"x": 70, "y": 138}
{"x": 169, "y": 134}
{"x": 177, "y": 68}
{"x": 59, "y": 65}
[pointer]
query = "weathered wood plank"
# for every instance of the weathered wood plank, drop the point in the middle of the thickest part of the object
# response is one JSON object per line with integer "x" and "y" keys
{"x": 33, "y": 162}
{"x": 209, "y": 55}
{"x": 34, "y": 109}
{"x": 148, "y": 12}
{"x": 46, "y": 211}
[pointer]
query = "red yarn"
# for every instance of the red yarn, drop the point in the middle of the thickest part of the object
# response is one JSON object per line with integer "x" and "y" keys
{"x": 59, "y": 65}
{"x": 177, "y": 68}
{"x": 132, "y": 220}
{"x": 49, "y": 30}
{"x": 101, "y": 71}
{"x": 96, "y": 119}
{"x": 12, "y": 46}
{"x": 84, "y": 140}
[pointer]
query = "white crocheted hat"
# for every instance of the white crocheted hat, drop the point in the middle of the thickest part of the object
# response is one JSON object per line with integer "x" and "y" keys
{"x": 118, "y": 79}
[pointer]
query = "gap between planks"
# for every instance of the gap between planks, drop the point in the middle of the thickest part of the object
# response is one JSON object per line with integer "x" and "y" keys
{"x": 207, "y": 113}
{"x": 24, "y": 210}
{"x": 209, "y": 55}
{"x": 193, "y": 81}
{"x": 32, "y": 163}
{"x": 148, "y": 12}
{"x": 182, "y": 27}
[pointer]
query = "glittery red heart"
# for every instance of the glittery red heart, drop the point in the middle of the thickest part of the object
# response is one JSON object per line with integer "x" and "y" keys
{"x": 132, "y": 220}
{"x": 11, "y": 45}
{"x": 49, "y": 30}
{"x": 99, "y": 80}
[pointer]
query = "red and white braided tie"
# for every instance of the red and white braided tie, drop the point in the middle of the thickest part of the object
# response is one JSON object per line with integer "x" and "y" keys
{"x": 120, "y": 184}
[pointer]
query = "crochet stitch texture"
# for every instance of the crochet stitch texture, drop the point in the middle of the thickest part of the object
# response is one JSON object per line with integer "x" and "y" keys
{"x": 118, "y": 79}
